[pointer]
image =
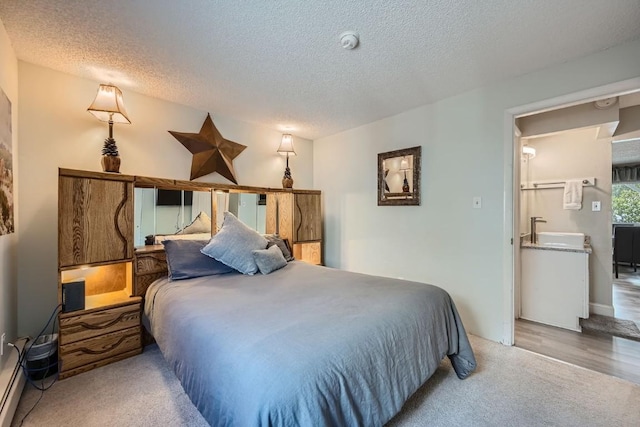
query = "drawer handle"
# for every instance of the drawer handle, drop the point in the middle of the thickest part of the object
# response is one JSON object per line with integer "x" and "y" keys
{"x": 105, "y": 325}
{"x": 108, "y": 349}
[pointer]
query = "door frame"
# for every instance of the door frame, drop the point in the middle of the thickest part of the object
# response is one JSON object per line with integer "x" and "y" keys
{"x": 511, "y": 181}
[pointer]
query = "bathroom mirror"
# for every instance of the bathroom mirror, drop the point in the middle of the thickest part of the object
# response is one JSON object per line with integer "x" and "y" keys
{"x": 399, "y": 177}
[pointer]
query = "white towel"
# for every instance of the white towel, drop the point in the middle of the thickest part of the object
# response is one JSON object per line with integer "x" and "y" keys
{"x": 572, "y": 195}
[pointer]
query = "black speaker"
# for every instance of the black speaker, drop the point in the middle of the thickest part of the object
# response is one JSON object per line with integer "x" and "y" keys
{"x": 73, "y": 296}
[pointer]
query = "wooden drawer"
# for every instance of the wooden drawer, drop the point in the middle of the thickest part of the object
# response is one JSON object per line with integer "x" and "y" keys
{"x": 98, "y": 322}
{"x": 99, "y": 349}
{"x": 153, "y": 262}
{"x": 308, "y": 252}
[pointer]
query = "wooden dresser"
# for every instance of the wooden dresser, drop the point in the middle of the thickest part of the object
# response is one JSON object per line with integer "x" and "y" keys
{"x": 95, "y": 244}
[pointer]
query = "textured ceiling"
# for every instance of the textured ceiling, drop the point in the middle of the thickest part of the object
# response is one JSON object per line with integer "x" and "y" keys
{"x": 625, "y": 153}
{"x": 279, "y": 63}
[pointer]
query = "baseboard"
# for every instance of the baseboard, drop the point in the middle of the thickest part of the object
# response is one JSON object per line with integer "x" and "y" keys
{"x": 11, "y": 384}
{"x": 601, "y": 309}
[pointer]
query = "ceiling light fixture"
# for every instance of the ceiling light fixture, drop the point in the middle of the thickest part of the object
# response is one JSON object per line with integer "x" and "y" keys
{"x": 349, "y": 40}
{"x": 603, "y": 104}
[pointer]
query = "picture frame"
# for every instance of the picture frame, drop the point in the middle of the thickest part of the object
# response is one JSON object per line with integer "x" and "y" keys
{"x": 399, "y": 177}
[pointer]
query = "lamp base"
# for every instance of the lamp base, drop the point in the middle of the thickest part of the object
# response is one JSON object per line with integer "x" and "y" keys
{"x": 111, "y": 164}
{"x": 287, "y": 182}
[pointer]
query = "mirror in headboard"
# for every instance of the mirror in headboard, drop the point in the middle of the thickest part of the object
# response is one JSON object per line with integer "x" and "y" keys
{"x": 168, "y": 212}
{"x": 250, "y": 208}
{"x": 165, "y": 212}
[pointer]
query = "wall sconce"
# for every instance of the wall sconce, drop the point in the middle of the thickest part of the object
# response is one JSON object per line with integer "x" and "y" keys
{"x": 109, "y": 107}
{"x": 286, "y": 146}
{"x": 528, "y": 152}
{"x": 404, "y": 167}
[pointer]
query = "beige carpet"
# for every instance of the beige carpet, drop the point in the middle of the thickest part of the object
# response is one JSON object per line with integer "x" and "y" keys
{"x": 512, "y": 387}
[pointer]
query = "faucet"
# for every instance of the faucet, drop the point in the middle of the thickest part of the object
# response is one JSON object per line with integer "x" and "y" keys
{"x": 534, "y": 220}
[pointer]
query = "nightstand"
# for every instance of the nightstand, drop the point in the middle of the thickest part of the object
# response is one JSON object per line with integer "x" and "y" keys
{"x": 107, "y": 331}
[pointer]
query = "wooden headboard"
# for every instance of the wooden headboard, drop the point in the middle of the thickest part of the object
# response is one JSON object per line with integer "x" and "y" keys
{"x": 295, "y": 213}
{"x": 150, "y": 264}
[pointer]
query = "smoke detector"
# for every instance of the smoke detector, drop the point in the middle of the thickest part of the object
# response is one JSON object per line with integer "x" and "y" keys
{"x": 603, "y": 104}
{"x": 349, "y": 40}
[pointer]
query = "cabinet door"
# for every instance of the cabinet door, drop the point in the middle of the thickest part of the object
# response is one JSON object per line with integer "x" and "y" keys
{"x": 280, "y": 215}
{"x": 95, "y": 220}
{"x": 307, "y": 223}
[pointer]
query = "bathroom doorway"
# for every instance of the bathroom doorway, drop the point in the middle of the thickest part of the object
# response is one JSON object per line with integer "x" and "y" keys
{"x": 552, "y": 341}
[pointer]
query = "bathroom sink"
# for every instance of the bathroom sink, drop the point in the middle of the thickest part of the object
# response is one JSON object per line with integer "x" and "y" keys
{"x": 561, "y": 240}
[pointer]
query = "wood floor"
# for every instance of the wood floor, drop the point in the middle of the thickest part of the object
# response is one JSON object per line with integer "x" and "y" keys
{"x": 626, "y": 295}
{"x": 614, "y": 356}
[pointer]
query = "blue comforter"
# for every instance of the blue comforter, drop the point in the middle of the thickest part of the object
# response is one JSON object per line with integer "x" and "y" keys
{"x": 304, "y": 345}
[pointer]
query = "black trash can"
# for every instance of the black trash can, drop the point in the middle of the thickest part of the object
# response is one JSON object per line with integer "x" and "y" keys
{"x": 42, "y": 357}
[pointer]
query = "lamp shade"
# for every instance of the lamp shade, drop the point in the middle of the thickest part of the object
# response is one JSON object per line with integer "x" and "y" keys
{"x": 528, "y": 152}
{"x": 286, "y": 146}
{"x": 404, "y": 164}
{"x": 109, "y": 105}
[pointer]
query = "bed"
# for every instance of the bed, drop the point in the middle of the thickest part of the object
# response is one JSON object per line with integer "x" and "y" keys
{"x": 304, "y": 345}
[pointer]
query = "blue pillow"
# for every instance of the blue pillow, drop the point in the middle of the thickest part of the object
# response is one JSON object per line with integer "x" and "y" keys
{"x": 232, "y": 245}
{"x": 269, "y": 260}
{"x": 184, "y": 260}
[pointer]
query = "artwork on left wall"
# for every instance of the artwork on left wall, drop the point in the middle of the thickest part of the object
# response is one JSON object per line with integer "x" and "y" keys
{"x": 6, "y": 167}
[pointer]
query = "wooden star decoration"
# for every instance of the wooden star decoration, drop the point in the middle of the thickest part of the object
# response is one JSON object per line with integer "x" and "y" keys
{"x": 211, "y": 152}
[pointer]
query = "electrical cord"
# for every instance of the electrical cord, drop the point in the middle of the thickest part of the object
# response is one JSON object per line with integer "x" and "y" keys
{"x": 21, "y": 355}
{"x": 32, "y": 408}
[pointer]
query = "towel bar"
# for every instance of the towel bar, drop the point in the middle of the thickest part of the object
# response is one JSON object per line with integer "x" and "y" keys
{"x": 586, "y": 182}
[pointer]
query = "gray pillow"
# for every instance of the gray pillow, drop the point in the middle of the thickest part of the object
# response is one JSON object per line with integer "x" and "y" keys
{"x": 184, "y": 260}
{"x": 269, "y": 260}
{"x": 274, "y": 239}
{"x": 232, "y": 245}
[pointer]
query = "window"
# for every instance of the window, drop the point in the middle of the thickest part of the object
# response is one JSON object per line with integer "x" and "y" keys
{"x": 625, "y": 202}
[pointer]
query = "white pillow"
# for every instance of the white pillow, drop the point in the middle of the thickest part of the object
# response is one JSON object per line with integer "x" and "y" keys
{"x": 201, "y": 224}
{"x": 233, "y": 245}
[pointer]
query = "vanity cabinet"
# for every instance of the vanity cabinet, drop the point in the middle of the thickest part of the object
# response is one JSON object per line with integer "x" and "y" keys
{"x": 95, "y": 245}
{"x": 297, "y": 216}
{"x": 555, "y": 286}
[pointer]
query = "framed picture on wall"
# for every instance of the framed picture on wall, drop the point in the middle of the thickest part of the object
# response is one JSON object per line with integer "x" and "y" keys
{"x": 399, "y": 177}
{"x": 6, "y": 167}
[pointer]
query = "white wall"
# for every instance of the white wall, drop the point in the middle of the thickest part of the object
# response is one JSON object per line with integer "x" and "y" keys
{"x": 573, "y": 155}
{"x": 56, "y": 131}
{"x": 9, "y": 242}
{"x": 445, "y": 241}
